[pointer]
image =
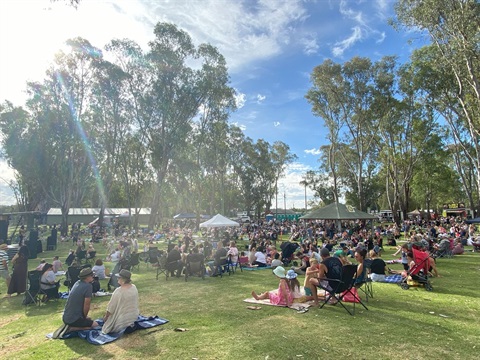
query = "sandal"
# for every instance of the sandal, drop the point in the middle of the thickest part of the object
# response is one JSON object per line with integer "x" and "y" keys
{"x": 253, "y": 307}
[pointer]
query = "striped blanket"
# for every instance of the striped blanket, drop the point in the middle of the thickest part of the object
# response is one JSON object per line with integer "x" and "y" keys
{"x": 96, "y": 337}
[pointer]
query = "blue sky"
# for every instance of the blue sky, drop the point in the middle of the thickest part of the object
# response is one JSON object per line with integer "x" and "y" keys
{"x": 271, "y": 47}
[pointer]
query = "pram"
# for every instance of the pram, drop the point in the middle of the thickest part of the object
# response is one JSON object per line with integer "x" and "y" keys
{"x": 419, "y": 272}
{"x": 288, "y": 250}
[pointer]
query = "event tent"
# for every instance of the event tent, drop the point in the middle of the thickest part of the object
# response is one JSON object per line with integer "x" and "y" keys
{"x": 337, "y": 211}
{"x": 219, "y": 221}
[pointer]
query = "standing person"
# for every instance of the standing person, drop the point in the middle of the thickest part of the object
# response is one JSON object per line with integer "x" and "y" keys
{"x": 4, "y": 263}
{"x": 57, "y": 264}
{"x": 75, "y": 315}
{"x": 122, "y": 310}
{"x": 18, "y": 282}
{"x": 233, "y": 252}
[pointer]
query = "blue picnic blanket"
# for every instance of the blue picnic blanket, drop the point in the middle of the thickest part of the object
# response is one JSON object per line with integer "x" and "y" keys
{"x": 96, "y": 337}
{"x": 396, "y": 278}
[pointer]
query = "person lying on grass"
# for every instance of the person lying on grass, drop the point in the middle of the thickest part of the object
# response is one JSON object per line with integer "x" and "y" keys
{"x": 283, "y": 295}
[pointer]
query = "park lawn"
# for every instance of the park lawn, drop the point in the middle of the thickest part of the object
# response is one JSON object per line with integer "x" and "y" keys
{"x": 400, "y": 324}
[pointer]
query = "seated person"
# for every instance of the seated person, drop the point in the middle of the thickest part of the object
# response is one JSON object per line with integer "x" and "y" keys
{"x": 90, "y": 251}
{"x": 331, "y": 268}
{"x": 251, "y": 255}
{"x": 260, "y": 258}
{"x": 283, "y": 295}
{"x": 458, "y": 249}
{"x": 360, "y": 255}
{"x": 75, "y": 314}
{"x": 99, "y": 269}
{"x": 304, "y": 263}
{"x": 276, "y": 261}
{"x": 70, "y": 258}
{"x": 233, "y": 252}
{"x": 195, "y": 256}
{"x": 311, "y": 272}
{"x": 174, "y": 262}
{"x": 377, "y": 267}
{"x": 41, "y": 265}
{"x": 57, "y": 264}
{"x": 48, "y": 283}
{"x": 122, "y": 309}
{"x": 342, "y": 255}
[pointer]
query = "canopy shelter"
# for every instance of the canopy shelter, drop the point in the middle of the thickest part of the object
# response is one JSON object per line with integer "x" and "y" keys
{"x": 473, "y": 221}
{"x": 338, "y": 212}
{"x": 219, "y": 221}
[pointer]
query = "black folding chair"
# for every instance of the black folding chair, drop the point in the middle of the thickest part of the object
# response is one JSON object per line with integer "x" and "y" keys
{"x": 33, "y": 293}
{"x": 90, "y": 256}
{"x": 135, "y": 261}
{"x": 195, "y": 268}
{"x": 71, "y": 276}
{"x": 81, "y": 255}
{"x": 339, "y": 288}
{"x": 366, "y": 285}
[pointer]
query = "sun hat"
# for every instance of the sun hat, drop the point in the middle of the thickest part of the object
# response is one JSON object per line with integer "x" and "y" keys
{"x": 84, "y": 273}
{"x": 291, "y": 274}
{"x": 124, "y": 274}
{"x": 280, "y": 272}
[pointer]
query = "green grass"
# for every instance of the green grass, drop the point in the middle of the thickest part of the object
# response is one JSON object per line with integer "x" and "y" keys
{"x": 400, "y": 324}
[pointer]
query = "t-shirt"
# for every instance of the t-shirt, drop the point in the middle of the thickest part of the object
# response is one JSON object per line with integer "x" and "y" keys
{"x": 46, "y": 279}
{"x": 378, "y": 266}
{"x": 74, "y": 307}
{"x": 334, "y": 270}
{"x": 57, "y": 264}
{"x": 260, "y": 257}
{"x": 3, "y": 257}
{"x": 99, "y": 271}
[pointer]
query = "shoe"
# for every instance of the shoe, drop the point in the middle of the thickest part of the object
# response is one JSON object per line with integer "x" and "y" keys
{"x": 61, "y": 331}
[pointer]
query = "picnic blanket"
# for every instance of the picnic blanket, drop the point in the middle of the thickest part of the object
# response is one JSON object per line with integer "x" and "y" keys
{"x": 295, "y": 305}
{"x": 96, "y": 337}
{"x": 256, "y": 267}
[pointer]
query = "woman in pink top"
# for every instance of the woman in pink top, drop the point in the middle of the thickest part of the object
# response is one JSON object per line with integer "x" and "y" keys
{"x": 283, "y": 295}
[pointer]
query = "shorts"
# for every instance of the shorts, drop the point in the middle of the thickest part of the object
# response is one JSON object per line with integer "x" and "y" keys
{"x": 308, "y": 291}
{"x": 4, "y": 274}
{"x": 82, "y": 322}
{"x": 405, "y": 267}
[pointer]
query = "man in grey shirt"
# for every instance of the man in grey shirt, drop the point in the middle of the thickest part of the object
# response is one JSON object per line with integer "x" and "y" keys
{"x": 78, "y": 303}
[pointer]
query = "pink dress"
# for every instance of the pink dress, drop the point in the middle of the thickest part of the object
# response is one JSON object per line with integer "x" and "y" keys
{"x": 278, "y": 297}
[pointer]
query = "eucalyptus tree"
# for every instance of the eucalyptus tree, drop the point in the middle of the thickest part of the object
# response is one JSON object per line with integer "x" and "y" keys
{"x": 343, "y": 95}
{"x": 454, "y": 29}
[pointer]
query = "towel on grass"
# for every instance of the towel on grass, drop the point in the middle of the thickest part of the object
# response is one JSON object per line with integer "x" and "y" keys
{"x": 393, "y": 279}
{"x": 296, "y": 306}
{"x": 256, "y": 267}
{"x": 96, "y": 337}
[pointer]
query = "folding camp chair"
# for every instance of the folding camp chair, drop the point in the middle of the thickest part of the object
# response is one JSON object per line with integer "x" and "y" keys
{"x": 366, "y": 286}
{"x": 195, "y": 268}
{"x": 162, "y": 265}
{"x": 90, "y": 256}
{"x": 338, "y": 289}
{"x": 135, "y": 261}
{"x": 81, "y": 255}
{"x": 72, "y": 276}
{"x": 223, "y": 267}
{"x": 33, "y": 293}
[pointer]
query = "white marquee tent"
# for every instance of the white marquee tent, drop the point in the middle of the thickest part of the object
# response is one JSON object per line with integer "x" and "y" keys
{"x": 219, "y": 221}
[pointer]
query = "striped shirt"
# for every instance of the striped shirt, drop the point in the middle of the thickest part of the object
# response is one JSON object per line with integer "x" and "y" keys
{"x": 3, "y": 257}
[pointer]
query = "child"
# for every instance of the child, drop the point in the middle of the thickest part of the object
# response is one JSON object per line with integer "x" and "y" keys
{"x": 294, "y": 287}
{"x": 57, "y": 264}
{"x": 312, "y": 272}
{"x": 283, "y": 296}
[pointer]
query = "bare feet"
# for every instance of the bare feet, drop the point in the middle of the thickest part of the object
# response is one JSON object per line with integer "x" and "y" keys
{"x": 255, "y": 296}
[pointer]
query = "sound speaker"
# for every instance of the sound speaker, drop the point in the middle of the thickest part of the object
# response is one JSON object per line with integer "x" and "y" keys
{"x": 3, "y": 231}
{"x": 51, "y": 242}
{"x": 32, "y": 244}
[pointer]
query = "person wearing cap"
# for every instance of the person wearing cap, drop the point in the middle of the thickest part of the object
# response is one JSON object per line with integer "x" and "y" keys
{"x": 283, "y": 295}
{"x": 75, "y": 315}
{"x": 4, "y": 263}
{"x": 331, "y": 268}
{"x": 122, "y": 310}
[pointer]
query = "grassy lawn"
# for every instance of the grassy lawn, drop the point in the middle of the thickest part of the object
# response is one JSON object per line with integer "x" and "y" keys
{"x": 400, "y": 324}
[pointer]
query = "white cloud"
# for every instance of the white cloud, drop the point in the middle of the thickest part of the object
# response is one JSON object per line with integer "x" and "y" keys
{"x": 313, "y": 151}
{"x": 6, "y": 193}
{"x": 310, "y": 45}
{"x": 381, "y": 38}
{"x": 243, "y": 31}
{"x": 240, "y": 126}
{"x": 289, "y": 185}
{"x": 276, "y": 124}
{"x": 260, "y": 98}
{"x": 240, "y": 99}
{"x": 343, "y": 45}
